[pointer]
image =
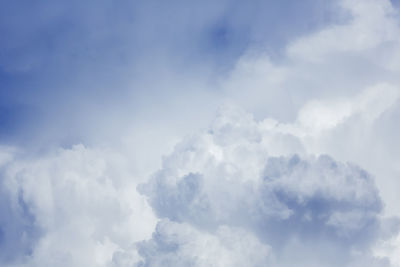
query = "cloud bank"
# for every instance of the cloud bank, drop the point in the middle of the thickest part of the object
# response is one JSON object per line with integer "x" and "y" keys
{"x": 75, "y": 207}
{"x": 243, "y": 192}
{"x": 305, "y": 210}
{"x": 301, "y": 170}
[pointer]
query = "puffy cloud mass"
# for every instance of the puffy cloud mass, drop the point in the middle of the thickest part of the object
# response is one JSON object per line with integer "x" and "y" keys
{"x": 338, "y": 87}
{"x": 300, "y": 168}
{"x": 242, "y": 193}
{"x": 311, "y": 210}
{"x": 179, "y": 244}
{"x": 74, "y": 207}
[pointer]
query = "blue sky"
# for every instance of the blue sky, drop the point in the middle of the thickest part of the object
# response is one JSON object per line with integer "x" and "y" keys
{"x": 66, "y": 56}
{"x": 186, "y": 133}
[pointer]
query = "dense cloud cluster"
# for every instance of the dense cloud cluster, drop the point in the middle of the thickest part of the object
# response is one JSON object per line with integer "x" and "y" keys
{"x": 75, "y": 207}
{"x": 179, "y": 244}
{"x": 305, "y": 175}
{"x": 337, "y": 88}
{"x": 223, "y": 197}
{"x": 226, "y": 178}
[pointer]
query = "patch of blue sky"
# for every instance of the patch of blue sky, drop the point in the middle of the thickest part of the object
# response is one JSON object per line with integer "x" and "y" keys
{"x": 60, "y": 55}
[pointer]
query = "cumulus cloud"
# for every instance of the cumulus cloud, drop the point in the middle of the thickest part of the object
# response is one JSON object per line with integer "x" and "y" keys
{"x": 243, "y": 192}
{"x": 74, "y": 207}
{"x": 179, "y": 244}
{"x": 225, "y": 177}
{"x": 337, "y": 88}
{"x": 279, "y": 185}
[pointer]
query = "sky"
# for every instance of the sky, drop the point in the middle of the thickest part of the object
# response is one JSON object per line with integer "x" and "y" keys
{"x": 200, "y": 133}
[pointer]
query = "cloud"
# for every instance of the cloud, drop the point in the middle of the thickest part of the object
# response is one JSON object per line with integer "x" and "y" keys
{"x": 278, "y": 185}
{"x": 389, "y": 249}
{"x": 245, "y": 192}
{"x": 18, "y": 233}
{"x": 176, "y": 244}
{"x": 226, "y": 177}
{"x": 73, "y": 207}
{"x": 337, "y": 89}
{"x": 372, "y": 24}
{"x": 339, "y": 60}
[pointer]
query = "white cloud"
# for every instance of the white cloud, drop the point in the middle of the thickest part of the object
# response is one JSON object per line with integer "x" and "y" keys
{"x": 371, "y": 24}
{"x": 389, "y": 249}
{"x": 175, "y": 244}
{"x": 337, "y": 89}
{"x": 226, "y": 177}
{"x": 82, "y": 205}
{"x": 249, "y": 191}
{"x": 340, "y": 60}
